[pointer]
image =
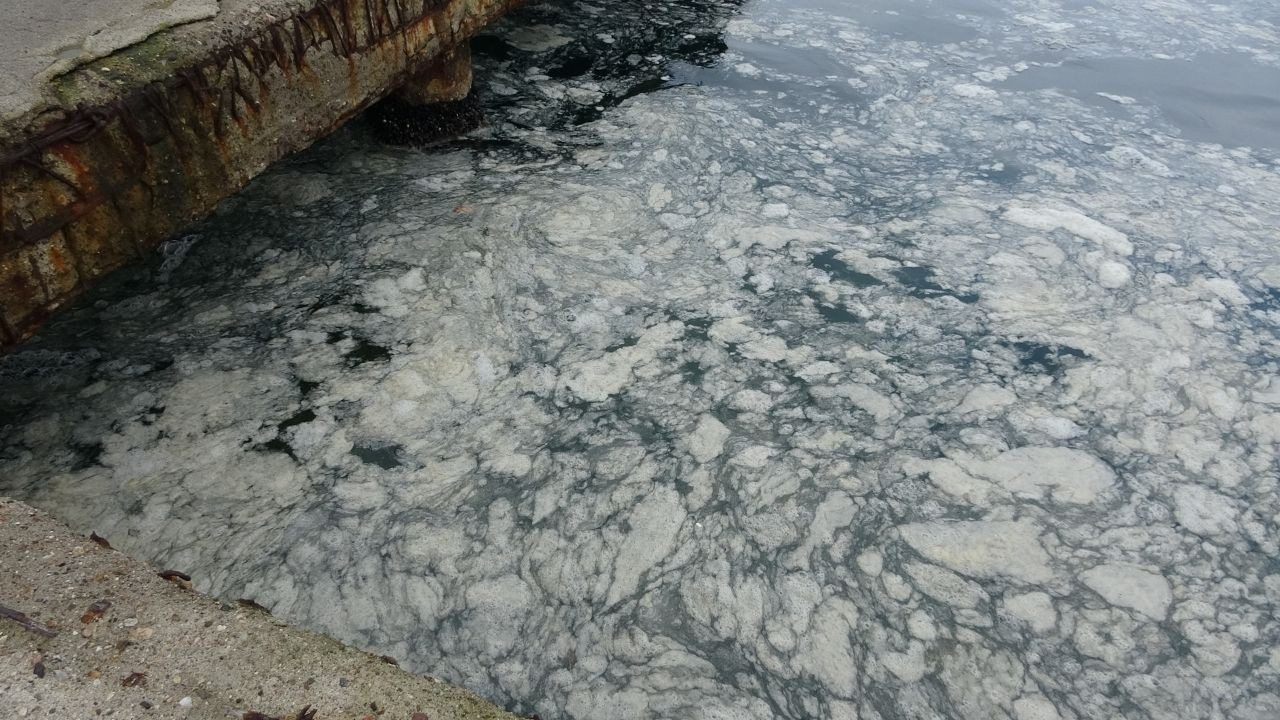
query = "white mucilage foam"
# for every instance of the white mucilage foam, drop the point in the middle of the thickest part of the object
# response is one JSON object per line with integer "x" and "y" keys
{"x": 758, "y": 360}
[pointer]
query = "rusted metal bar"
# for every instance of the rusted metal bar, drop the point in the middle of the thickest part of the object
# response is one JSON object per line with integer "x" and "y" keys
{"x": 26, "y": 622}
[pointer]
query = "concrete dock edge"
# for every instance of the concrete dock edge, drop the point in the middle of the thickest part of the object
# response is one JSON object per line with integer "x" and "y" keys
{"x": 126, "y": 150}
{"x": 131, "y": 644}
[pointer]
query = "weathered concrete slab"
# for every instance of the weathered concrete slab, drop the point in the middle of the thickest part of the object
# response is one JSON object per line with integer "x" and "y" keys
{"x": 42, "y": 40}
{"x": 113, "y": 156}
{"x": 157, "y": 650}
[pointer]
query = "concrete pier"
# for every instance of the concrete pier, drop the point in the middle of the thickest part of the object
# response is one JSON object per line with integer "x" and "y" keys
{"x": 122, "y": 121}
{"x": 86, "y": 631}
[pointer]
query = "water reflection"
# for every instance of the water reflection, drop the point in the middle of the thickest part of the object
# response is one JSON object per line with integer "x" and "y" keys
{"x": 1227, "y": 99}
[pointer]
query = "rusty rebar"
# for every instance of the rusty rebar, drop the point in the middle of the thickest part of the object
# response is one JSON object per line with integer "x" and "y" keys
{"x": 26, "y": 622}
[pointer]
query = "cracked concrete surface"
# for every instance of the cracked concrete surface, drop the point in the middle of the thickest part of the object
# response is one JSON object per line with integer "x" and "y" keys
{"x": 42, "y": 40}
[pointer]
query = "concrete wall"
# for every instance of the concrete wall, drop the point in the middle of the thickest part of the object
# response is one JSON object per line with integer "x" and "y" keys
{"x": 151, "y": 138}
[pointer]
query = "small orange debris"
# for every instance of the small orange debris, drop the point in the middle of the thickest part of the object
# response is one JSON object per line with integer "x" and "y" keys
{"x": 95, "y": 611}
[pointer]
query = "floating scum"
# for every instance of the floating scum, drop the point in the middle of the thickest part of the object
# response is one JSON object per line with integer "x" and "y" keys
{"x": 855, "y": 383}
